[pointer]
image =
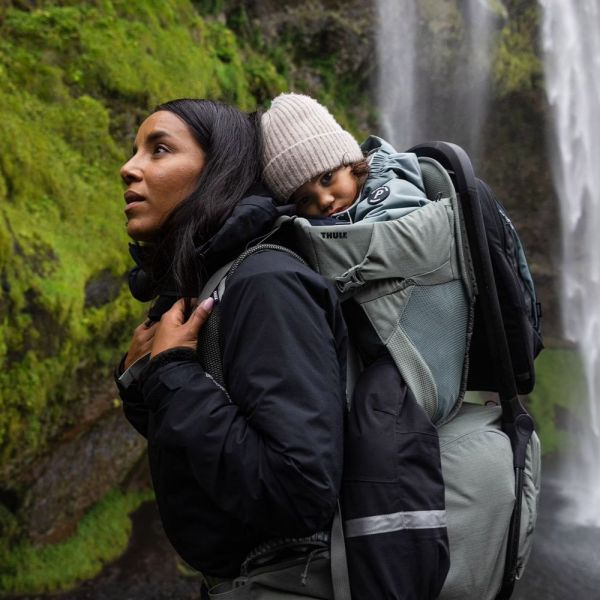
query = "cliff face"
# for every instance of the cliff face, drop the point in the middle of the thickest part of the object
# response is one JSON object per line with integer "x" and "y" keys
{"x": 76, "y": 79}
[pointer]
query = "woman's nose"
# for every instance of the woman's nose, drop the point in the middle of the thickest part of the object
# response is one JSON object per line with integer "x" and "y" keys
{"x": 130, "y": 172}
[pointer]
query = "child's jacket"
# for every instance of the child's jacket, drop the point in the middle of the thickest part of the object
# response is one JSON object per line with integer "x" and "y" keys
{"x": 394, "y": 186}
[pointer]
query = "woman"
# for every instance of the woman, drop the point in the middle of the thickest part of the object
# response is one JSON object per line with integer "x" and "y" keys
{"x": 261, "y": 459}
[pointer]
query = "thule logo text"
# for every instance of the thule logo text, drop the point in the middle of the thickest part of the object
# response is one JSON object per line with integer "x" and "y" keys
{"x": 334, "y": 235}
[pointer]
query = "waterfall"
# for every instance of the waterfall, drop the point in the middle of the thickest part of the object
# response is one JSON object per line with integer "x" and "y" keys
{"x": 429, "y": 86}
{"x": 397, "y": 81}
{"x": 472, "y": 75}
{"x": 571, "y": 44}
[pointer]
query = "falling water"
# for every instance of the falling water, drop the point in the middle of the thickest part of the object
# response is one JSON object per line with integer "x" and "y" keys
{"x": 397, "y": 81}
{"x": 472, "y": 75}
{"x": 430, "y": 87}
{"x": 571, "y": 45}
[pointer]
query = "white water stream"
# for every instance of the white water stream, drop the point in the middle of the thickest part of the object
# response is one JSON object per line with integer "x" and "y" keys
{"x": 397, "y": 78}
{"x": 472, "y": 89}
{"x": 431, "y": 87}
{"x": 571, "y": 42}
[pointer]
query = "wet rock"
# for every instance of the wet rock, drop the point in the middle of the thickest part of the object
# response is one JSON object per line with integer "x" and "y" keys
{"x": 148, "y": 570}
{"x": 103, "y": 288}
{"x": 317, "y": 29}
{"x": 79, "y": 472}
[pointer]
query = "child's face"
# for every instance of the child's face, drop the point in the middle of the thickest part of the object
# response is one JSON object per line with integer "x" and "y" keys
{"x": 327, "y": 194}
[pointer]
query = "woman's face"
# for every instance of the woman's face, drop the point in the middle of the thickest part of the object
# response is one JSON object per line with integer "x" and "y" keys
{"x": 163, "y": 171}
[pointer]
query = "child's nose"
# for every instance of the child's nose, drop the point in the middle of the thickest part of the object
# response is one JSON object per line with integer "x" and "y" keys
{"x": 325, "y": 201}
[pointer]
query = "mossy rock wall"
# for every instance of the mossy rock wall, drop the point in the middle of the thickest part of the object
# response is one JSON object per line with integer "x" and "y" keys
{"x": 75, "y": 81}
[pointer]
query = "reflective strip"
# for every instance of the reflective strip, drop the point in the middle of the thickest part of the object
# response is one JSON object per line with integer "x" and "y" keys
{"x": 417, "y": 519}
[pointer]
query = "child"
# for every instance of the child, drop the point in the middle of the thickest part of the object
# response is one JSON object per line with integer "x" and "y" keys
{"x": 310, "y": 160}
{"x": 393, "y": 494}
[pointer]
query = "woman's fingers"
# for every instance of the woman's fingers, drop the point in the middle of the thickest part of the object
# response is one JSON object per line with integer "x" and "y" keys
{"x": 174, "y": 332}
{"x": 200, "y": 315}
{"x": 141, "y": 342}
{"x": 145, "y": 330}
{"x": 175, "y": 315}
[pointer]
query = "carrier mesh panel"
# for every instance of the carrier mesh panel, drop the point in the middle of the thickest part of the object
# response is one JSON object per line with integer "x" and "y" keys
{"x": 209, "y": 347}
{"x": 414, "y": 370}
{"x": 436, "y": 180}
{"x": 435, "y": 320}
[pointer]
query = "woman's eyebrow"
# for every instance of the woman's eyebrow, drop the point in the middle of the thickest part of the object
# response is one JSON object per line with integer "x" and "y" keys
{"x": 156, "y": 135}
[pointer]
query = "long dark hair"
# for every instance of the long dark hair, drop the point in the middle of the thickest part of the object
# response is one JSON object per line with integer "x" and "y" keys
{"x": 230, "y": 140}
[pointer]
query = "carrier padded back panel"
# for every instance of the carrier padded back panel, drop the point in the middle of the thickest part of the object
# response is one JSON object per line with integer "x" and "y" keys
{"x": 477, "y": 464}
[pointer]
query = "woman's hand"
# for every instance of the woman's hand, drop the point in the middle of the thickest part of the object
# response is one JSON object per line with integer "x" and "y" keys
{"x": 141, "y": 342}
{"x": 173, "y": 332}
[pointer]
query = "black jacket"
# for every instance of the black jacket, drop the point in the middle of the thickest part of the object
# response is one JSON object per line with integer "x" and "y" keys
{"x": 262, "y": 459}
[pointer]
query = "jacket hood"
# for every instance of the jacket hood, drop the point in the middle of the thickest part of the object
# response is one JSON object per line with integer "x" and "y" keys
{"x": 376, "y": 144}
{"x": 386, "y": 163}
{"x": 252, "y": 218}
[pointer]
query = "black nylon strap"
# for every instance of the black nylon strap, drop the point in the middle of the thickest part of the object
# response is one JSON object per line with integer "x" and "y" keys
{"x": 340, "y": 579}
{"x": 209, "y": 339}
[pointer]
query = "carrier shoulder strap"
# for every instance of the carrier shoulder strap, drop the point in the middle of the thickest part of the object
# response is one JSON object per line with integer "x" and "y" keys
{"x": 209, "y": 340}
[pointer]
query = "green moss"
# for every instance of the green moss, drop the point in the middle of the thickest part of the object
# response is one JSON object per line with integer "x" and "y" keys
{"x": 517, "y": 66}
{"x": 209, "y": 7}
{"x": 101, "y": 536}
{"x": 559, "y": 392}
{"x": 62, "y": 210}
{"x": 75, "y": 80}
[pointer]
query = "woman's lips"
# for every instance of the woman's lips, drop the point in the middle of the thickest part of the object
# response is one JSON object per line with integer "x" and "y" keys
{"x": 132, "y": 199}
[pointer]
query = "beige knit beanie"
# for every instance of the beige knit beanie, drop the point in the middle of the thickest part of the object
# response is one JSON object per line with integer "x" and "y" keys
{"x": 301, "y": 139}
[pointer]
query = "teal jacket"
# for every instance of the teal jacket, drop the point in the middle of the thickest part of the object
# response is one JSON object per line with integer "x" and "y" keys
{"x": 394, "y": 186}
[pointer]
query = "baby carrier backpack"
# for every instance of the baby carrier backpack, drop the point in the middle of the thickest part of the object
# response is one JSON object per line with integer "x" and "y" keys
{"x": 447, "y": 290}
{"x": 491, "y": 525}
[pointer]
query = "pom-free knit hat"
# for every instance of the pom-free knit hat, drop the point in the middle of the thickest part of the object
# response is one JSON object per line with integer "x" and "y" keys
{"x": 301, "y": 139}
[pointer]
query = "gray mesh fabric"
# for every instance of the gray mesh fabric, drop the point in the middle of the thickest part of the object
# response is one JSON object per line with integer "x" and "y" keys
{"x": 437, "y": 182}
{"x": 441, "y": 309}
{"x": 383, "y": 303}
{"x": 209, "y": 346}
{"x": 415, "y": 371}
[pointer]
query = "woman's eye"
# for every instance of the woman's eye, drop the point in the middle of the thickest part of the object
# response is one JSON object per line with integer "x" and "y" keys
{"x": 326, "y": 179}
{"x": 160, "y": 149}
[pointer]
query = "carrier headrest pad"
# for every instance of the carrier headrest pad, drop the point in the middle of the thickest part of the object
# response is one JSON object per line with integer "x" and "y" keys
{"x": 436, "y": 180}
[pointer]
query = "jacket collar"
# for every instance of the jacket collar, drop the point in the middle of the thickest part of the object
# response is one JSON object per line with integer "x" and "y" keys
{"x": 250, "y": 220}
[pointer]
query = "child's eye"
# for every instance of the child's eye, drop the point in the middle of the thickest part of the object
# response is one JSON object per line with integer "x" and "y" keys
{"x": 326, "y": 178}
